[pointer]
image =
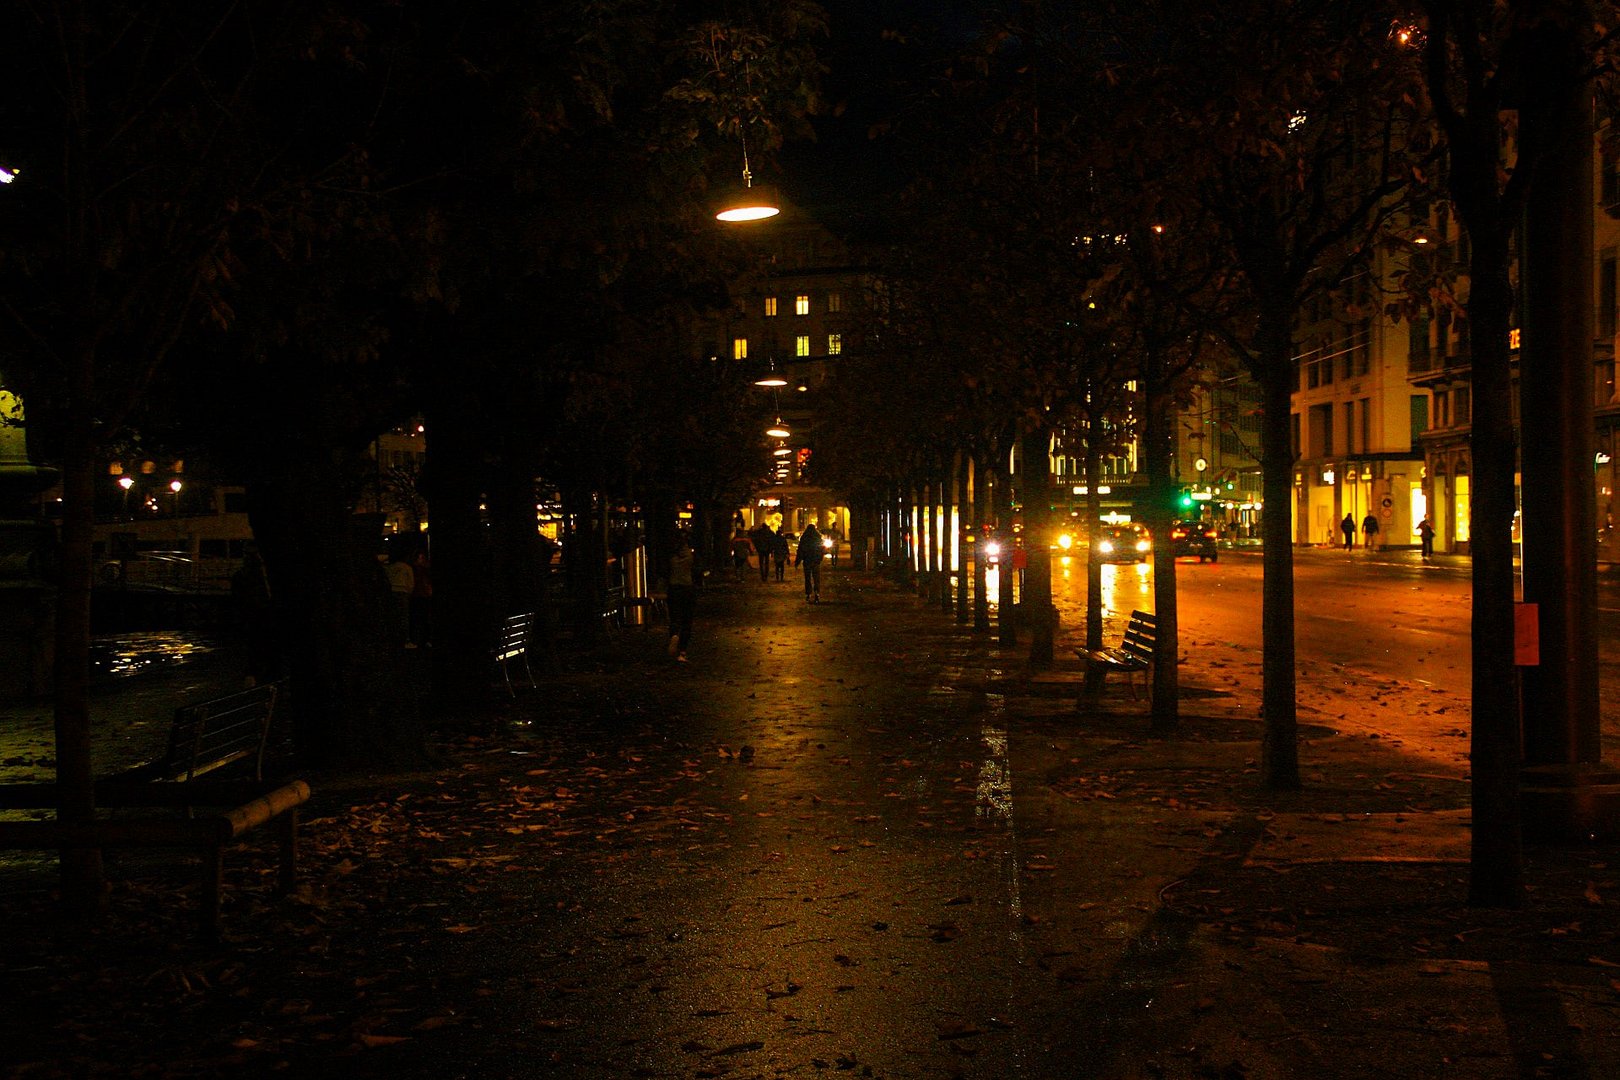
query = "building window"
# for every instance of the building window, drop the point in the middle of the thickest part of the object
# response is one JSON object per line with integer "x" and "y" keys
{"x": 1417, "y": 343}
{"x": 1350, "y": 446}
{"x": 1360, "y": 358}
{"x": 770, "y": 307}
{"x": 739, "y": 348}
{"x": 1609, "y": 188}
{"x": 1420, "y": 416}
{"x": 1320, "y": 431}
{"x": 1366, "y": 425}
{"x": 1608, "y": 294}
{"x": 835, "y": 344}
{"x": 801, "y": 304}
{"x": 1462, "y": 405}
{"x": 835, "y": 302}
{"x": 801, "y": 345}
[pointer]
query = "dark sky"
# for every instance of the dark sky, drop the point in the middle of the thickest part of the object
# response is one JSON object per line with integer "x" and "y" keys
{"x": 880, "y": 57}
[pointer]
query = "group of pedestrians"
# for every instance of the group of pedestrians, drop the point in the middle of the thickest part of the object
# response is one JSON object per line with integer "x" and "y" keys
{"x": 772, "y": 548}
{"x": 1370, "y": 531}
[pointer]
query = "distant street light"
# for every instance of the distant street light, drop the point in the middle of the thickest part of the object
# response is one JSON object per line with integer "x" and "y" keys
{"x": 126, "y": 482}
{"x": 175, "y": 486}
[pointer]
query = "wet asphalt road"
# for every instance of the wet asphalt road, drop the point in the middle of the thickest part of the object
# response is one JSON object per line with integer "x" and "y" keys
{"x": 809, "y": 849}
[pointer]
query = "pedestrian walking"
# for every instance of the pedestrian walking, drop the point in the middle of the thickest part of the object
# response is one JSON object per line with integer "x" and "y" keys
{"x": 1348, "y": 527}
{"x": 1425, "y": 531}
{"x": 682, "y": 597}
{"x": 779, "y": 554}
{"x": 764, "y": 542}
{"x": 1369, "y": 531}
{"x": 811, "y": 552}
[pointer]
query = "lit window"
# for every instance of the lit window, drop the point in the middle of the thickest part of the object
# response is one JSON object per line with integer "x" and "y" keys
{"x": 801, "y": 345}
{"x": 801, "y": 304}
{"x": 835, "y": 302}
{"x": 835, "y": 344}
{"x": 770, "y": 306}
{"x": 739, "y": 348}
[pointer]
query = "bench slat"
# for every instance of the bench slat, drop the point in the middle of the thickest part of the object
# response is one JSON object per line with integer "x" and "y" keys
{"x": 1134, "y": 652}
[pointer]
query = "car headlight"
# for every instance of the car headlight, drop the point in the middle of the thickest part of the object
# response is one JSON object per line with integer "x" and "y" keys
{"x": 992, "y": 549}
{"x": 827, "y": 542}
{"x": 1106, "y": 547}
{"x": 1144, "y": 545}
{"x": 1065, "y": 541}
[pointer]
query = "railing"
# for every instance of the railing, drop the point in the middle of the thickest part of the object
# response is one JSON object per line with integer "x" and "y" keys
{"x": 169, "y": 571}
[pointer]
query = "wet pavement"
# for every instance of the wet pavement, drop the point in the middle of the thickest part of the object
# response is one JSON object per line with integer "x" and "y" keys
{"x": 854, "y": 838}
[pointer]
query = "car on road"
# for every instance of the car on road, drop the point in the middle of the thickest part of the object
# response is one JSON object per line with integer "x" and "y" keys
{"x": 1194, "y": 538}
{"x": 1123, "y": 543}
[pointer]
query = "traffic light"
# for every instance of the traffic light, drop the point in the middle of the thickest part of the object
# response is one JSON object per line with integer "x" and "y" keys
{"x": 1184, "y": 500}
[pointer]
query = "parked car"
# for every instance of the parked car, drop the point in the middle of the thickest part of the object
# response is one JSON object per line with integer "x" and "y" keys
{"x": 1194, "y": 538}
{"x": 1123, "y": 543}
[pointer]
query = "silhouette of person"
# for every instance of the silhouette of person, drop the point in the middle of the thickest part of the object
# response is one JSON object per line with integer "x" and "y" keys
{"x": 811, "y": 552}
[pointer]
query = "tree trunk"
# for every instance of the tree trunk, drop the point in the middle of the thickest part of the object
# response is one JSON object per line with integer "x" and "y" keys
{"x": 1094, "y": 608}
{"x": 1037, "y": 500}
{"x": 84, "y": 885}
{"x": 465, "y": 615}
{"x": 1092, "y": 466}
{"x": 1280, "y": 752}
{"x": 1496, "y": 858}
{"x": 925, "y": 540}
{"x": 981, "y": 576}
{"x": 1159, "y": 450}
{"x": 950, "y": 578}
{"x": 351, "y": 697}
{"x": 1002, "y": 500}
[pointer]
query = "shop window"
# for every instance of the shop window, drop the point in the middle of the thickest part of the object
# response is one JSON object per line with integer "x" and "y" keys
{"x": 1459, "y": 489}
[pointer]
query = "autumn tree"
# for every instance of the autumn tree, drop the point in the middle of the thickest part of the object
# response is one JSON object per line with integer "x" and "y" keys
{"x": 1278, "y": 139}
{"x": 1508, "y": 84}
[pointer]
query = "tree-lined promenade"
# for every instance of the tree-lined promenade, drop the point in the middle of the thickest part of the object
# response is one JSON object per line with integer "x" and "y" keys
{"x": 266, "y": 236}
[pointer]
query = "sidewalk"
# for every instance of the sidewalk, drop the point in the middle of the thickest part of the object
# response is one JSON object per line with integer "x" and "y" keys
{"x": 855, "y": 838}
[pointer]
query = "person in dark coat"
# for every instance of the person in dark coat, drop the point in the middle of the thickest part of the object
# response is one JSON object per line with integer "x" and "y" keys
{"x": 811, "y": 552}
{"x": 764, "y": 542}
{"x": 780, "y": 554}
{"x": 1348, "y": 527}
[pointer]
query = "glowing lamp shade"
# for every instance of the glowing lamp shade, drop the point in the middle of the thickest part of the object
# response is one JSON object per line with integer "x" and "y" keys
{"x": 779, "y": 431}
{"x": 771, "y": 380}
{"x": 749, "y": 202}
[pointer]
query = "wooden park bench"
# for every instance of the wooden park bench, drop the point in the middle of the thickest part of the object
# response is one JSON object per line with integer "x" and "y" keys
{"x": 224, "y": 739}
{"x": 512, "y": 644}
{"x": 1133, "y": 655}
